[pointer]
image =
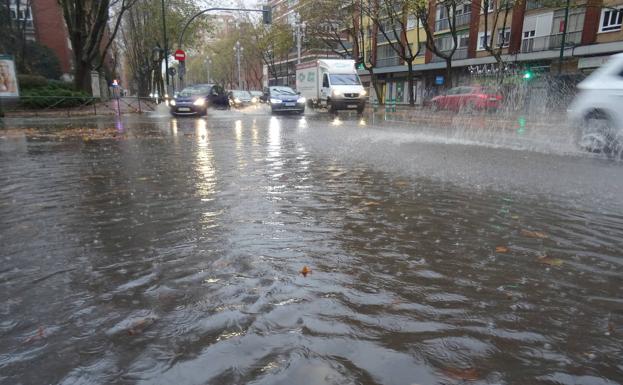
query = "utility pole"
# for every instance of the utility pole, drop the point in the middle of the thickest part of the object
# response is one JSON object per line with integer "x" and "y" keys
{"x": 300, "y": 26}
{"x": 238, "y": 49}
{"x": 166, "y": 48}
{"x": 208, "y": 64}
{"x": 564, "y": 35}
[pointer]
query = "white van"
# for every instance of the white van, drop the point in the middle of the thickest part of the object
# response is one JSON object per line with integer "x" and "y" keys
{"x": 331, "y": 83}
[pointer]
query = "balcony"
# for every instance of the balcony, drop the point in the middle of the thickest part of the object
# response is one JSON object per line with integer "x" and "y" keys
{"x": 380, "y": 38}
{"x": 459, "y": 54}
{"x": 387, "y": 61}
{"x": 460, "y": 20}
{"x": 545, "y": 43}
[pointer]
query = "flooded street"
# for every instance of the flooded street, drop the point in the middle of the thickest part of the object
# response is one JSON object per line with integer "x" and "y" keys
{"x": 170, "y": 251}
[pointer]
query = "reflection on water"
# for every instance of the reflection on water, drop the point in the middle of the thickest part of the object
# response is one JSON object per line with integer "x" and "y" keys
{"x": 175, "y": 260}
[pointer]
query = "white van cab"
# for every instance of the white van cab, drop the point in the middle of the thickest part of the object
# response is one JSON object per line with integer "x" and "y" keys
{"x": 331, "y": 83}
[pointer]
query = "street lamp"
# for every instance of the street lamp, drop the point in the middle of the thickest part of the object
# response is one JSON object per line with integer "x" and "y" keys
{"x": 238, "y": 49}
{"x": 208, "y": 65}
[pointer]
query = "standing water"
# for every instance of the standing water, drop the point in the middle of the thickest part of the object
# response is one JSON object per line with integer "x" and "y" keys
{"x": 303, "y": 251}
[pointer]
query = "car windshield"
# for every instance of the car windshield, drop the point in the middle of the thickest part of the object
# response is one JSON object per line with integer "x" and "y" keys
{"x": 344, "y": 80}
{"x": 256, "y": 93}
{"x": 241, "y": 94}
{"x": 195, "y": 90}
{"x": 282, "y": 91}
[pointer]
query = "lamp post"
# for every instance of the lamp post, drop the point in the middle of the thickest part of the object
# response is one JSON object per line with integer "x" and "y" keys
{"x": 238, "y": 49}
{"x": 208, "y": 65}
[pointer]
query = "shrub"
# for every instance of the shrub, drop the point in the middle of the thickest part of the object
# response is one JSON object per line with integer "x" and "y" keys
{"x": 53, "y": 97}
{"x": 31, "y": 81}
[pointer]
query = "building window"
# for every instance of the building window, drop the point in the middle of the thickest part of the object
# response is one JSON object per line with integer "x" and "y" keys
{"x": 504, "y": 37}
{"x": 487, "y": 5}
{"x": 611, "y": 20}
{"x": 529, "y": 34}
{"x": 481, "y": 40}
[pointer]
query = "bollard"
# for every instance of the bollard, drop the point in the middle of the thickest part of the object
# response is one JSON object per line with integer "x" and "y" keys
{"x": 139, "y": 104}
{"x": 387, "y": 104}
{"x": 393, "y": 104}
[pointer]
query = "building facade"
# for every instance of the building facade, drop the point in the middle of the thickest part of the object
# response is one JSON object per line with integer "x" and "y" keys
{"x": 493, "y": 38}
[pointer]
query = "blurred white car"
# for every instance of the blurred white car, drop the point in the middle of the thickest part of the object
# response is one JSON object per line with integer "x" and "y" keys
{"x": 596, "y": 112}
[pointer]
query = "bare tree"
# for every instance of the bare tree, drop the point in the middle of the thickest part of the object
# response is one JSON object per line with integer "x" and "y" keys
{"x": 90, "y": 35}
{"x": 392, "y": 20}
{"x": 426, "y": 12}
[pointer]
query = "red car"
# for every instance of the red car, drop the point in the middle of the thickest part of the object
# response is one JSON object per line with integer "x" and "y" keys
{"x": 470, "y": 98}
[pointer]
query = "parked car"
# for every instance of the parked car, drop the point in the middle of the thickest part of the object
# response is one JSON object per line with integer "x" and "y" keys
{"x": 195, "y": 100}
{"x": 284, "y": 99}
{"x": 240, "y": 98}
{"x": 468, "y": 98}
{"x": 596, "y": 113}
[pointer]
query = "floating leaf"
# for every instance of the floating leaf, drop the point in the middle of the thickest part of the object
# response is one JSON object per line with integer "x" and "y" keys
{"x": 544, "y": 259}
{"x": 139, "y": 326}
{"x": 501, "y": 249}
{"x": 469, "y": 374}
{"x": 371, "y": 203}
{"x": 39, "y": 335}
{"x": 533, "y": 234}
{"x": 305, "y": 270}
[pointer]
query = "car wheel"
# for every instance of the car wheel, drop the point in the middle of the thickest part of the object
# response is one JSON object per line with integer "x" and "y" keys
{"x": 331, "y": 108}
{"x": 301, "y": 112}
{"x": 469, "y": 107}
{"x": 360, "y": 109}
{"x": 597, "y": 134}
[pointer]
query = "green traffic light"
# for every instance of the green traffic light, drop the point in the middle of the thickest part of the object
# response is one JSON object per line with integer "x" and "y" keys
{"x": 527, "y": 75}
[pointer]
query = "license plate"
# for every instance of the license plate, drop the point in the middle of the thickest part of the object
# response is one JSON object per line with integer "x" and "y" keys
{"x": 290, "y": 104}
{"x": 183, "y": 109}
{"x": 351, "y": 106}
{"x": 493, "y": 99}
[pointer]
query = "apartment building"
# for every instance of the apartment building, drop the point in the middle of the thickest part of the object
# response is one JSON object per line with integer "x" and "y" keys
{"x": 524, "y": 34}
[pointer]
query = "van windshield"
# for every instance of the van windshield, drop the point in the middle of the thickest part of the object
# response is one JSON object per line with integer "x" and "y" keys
{"x": 344, "y": 80}
{"x": 195, "y": 90}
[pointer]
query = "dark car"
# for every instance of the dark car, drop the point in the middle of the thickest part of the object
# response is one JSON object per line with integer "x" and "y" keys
{"x": 240, "y": 98}
{"x": 469, "y": 98}
{"x": 195, "y": 100}
{"x": 284, "y": 99}
{"x": 257, "y": 96}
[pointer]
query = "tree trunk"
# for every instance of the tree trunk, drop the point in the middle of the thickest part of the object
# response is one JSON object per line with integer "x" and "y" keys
{"x": 410, "y": 81}
{"x": 449, "y": 72}
{"x": 375, "y": 84}
{"x": 82, "y": 77}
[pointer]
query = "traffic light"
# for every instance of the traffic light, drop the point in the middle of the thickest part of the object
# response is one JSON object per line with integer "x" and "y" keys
{"x": 527, "y": 75}
{"x": 267, "y": 14}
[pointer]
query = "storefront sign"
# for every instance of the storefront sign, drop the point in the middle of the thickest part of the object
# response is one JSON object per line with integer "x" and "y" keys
{"x": 592, "y": 62}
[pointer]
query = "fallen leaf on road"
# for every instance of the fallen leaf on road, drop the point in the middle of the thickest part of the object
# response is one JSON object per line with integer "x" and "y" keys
{"x": 501, "y": 249}
{"x": 611, "y": 327}
{"x": 305, "y": 270}
{"x": 544, "y": 259}
{"x": 469, "y": 374}
{"x": 533, "y": 234}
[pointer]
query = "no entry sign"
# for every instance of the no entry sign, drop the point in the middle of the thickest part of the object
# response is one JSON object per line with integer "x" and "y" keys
{"x": 180, "y": 55}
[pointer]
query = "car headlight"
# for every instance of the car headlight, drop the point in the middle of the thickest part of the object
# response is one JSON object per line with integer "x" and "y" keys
{"x": 275, "y": 101}
{"x": 199, "y": 102}
{"x": 236, "y": 100}
{"x": 254, "y": 100}
{"x": 363, "y": 93}
{"x": 172, "y": 102}
{"x": 336, "y": 93}
{"x": 301, "y": 100}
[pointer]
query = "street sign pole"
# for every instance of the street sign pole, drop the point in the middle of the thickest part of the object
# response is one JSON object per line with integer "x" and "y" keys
{"x": 166, "y": 48}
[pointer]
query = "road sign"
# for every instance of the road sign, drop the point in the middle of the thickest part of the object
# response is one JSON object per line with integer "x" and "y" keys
{"x": 172, "y": 71}
{"x": 180, "y": 55}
